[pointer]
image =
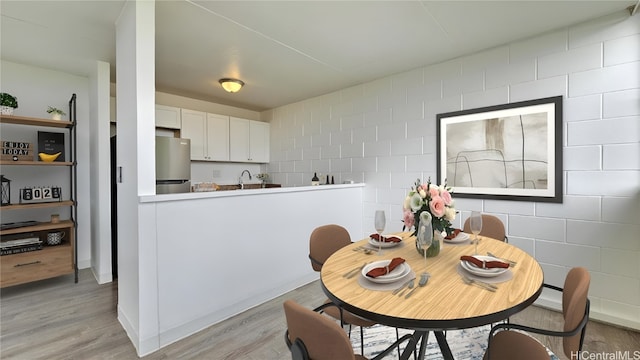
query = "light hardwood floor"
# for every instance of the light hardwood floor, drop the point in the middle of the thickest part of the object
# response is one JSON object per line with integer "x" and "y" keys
{"x": 57, "y": 319}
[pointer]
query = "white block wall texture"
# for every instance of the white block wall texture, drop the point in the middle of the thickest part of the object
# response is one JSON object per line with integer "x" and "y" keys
{"x": 383, "y": 133}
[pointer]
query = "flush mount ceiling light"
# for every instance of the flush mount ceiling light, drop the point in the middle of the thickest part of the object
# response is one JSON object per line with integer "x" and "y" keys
{"x": 231, "y": 85}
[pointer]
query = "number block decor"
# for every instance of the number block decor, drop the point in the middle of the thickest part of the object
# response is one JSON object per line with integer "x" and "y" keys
{"x": 40, "y": 194}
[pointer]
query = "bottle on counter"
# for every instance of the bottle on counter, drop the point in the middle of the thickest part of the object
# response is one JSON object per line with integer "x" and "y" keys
{"x": 314, "y": 180}
{"x": 327, "y": 182}
{"x": 332, "y": 180}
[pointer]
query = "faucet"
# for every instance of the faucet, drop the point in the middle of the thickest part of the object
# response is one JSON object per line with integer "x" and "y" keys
{"x": 240, "y": 178}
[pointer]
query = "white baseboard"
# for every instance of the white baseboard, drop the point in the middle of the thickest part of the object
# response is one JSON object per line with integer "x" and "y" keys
{"x": 593, "y": 314}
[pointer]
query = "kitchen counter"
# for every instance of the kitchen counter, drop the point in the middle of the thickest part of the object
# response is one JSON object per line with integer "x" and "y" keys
{"x": 251, "y": 191}
{"x": 205, "y": 253}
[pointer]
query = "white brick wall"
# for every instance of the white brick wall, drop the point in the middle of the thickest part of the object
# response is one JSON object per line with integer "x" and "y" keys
{"x": 383, "y": 133}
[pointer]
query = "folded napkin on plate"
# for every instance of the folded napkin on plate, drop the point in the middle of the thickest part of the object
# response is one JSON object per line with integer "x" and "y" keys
{"x": 454, "y": 234}
{"x": 384, "y": 270}
{"x": 386, "y": 238}
{"x": 484, "y": 264}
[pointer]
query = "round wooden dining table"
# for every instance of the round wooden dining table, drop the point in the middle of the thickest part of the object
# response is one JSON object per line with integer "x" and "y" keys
{"x": 446, "y": 302}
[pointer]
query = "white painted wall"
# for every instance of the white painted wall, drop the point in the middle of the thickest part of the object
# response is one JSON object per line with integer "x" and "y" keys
{"x": 383, "y": 133}
{"x": 36, "y": 88}
{"x": 100, "y": 174}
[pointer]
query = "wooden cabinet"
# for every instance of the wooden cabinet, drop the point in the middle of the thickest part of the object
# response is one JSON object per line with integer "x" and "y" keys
{"x": 49, "y": 260}
{"x": 248, "y": 140}
{"x": 209, "y": 134}
{"x": 168, "y": 117}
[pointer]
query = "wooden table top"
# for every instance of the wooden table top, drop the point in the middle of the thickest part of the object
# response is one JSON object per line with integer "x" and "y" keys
{"x": 446, "y": 302}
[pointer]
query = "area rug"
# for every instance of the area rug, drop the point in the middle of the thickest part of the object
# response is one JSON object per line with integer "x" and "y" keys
{"x": 466, "y": 344}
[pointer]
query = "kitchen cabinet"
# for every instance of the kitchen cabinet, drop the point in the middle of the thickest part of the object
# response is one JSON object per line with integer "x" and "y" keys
{"x": 248, "y": 140}
{"x": 209, "y": 134}
{"x": 35, "y": 250}
{"x": 168, "y": 117}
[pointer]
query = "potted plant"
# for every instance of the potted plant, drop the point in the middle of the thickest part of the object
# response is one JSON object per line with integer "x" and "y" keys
{"x": 8, "y": 102}
{"x": 56, "y": 114}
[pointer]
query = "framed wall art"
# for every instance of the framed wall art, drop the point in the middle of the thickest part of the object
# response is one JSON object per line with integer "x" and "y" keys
{"x": 506, "y": 152}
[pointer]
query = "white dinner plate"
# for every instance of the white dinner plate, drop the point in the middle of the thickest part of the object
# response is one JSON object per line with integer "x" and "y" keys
{"x": 395, "y": 274}
{"x": 384, "y": 244}
{"x": 462, "y": 237}
{"x": 493, "y": 272}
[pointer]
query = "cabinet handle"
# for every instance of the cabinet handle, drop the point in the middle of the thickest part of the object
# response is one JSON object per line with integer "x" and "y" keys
{"x": 29, "y": 263}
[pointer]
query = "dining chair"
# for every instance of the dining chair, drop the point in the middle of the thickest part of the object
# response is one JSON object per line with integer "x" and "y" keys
{"x": 324, "y": 241}
{"x": 310, "y": 335}
{"x": 510, "y": 341}
{"x": 492, "y": 227}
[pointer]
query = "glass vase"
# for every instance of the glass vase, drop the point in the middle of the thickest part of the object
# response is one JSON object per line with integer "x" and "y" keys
{"x": 435, "y": 247}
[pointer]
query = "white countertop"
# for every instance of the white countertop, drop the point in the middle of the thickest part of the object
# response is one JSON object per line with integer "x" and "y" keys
{"x": 247, "y": 192}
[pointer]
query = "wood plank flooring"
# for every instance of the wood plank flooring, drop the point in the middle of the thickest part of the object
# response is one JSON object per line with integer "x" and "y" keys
{"x": 58, "y": 319}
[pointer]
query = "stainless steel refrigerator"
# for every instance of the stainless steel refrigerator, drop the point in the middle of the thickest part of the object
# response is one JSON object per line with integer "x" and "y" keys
{"x": 173, "y": 165}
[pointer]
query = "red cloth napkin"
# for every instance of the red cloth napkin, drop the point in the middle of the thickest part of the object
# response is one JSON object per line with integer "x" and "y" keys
{"x": 454, "y": 234}
{"x": 484, "y": 264}
{"x": 386, "y": 238}
{"x": 384, "y": 270}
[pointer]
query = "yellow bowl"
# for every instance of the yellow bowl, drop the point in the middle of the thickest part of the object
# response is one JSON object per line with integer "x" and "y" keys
{"x": 48, "y": 158}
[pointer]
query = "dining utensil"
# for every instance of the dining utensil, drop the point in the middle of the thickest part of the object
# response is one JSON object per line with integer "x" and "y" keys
{"x": 410, "y": 286}
{"x": 511, "y": 262}
{"x": 379, "y": 224}
{"x": 475, "y": 223}
{"x": 353, "y": 272}
{"x": 484, "y": 285}
{"x": 402, "y": 286}
{"x": 365, "y": 250}
{"x": 424, "y": 277}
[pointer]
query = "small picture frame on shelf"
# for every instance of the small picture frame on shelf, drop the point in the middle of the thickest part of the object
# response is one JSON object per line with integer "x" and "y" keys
{"x": 51, "y": 143}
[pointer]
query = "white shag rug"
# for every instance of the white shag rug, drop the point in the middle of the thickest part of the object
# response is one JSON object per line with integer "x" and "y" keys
{"x": 466, "y": 344}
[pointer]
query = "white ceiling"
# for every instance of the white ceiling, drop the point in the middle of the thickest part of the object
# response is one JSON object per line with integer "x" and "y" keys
{"x": 285, "y": 51}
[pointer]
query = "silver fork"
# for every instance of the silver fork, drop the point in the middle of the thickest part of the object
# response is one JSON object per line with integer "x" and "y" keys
{"x": 351, "y": 273}
{"x": 424, "y": 277}
{"x": 402, "y": 286}
{"x": 481, "y": 284}
{"x": 410, "y": 286}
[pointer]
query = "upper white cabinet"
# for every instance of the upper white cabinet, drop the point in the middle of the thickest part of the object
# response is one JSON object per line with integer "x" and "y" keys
{"x": 209, "y": 134}
{"x": 168, "y": 117}
{"x": 249, "y": 140}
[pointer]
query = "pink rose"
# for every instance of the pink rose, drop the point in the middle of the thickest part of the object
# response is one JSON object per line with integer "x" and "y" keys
{"x": 446, "y": 196}
{"x": 437, "y": 206}
{"x": 408, "y": 218}
{"x": 433, "y": 191}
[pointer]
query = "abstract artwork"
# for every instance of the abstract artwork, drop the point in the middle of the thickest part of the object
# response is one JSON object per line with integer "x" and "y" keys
{"x": 508, "y": 152}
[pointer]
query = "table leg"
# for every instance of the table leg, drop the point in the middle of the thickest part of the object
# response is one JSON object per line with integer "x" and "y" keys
{"x": 411, "y": 346}
{"x": 423, "y": 345}
{"x": 444, "y": 345}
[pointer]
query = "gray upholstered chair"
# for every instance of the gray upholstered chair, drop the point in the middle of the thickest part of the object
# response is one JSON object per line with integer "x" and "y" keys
{"x": 323, "y": 242}
{"x": 311, "y": 335}
{"x": 510, "y": 341}
{"x": 491, "y": 227}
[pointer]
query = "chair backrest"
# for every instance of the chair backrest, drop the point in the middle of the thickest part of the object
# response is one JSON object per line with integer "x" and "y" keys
{"x": 492, "y": 227}
{"x": 324, "y": 241}
{"x": 322, "y": 337}
{"x": 575, "y": 307}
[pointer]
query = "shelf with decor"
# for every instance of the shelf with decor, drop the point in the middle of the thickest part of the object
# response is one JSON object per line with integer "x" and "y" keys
{"x": 34, "y": 250}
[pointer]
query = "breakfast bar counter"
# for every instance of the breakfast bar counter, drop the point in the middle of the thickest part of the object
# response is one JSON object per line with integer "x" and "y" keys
{"x": 212, "y": 255}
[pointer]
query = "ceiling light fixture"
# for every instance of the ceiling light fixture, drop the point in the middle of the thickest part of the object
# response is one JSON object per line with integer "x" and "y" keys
{"x": 231, "y": 85}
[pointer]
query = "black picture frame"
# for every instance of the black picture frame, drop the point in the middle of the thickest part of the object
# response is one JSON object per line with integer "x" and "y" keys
{"x": 51, "y": 143}
{"x": 505, "y": 152}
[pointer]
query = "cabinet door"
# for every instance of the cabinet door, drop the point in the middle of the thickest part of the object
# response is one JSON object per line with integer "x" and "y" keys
{"x": 194, "y": 127}
{"x": 259, "y": 141}
{"x": 239, "y": 139}
{"x": 168, "y": 117}
{"x": 218, "y": 137}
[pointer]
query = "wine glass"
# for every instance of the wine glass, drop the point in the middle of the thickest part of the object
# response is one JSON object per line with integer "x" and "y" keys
{"x": 475, "y": 223}
{"x": 425, "y": 238}
{"x": 380, "y": 222}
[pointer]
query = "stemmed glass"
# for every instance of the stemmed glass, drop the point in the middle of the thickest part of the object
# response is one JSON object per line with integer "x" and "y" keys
{"x": 475, "y": 223}
{"x": 380, "y": 222}
{"x": 425, "y": 238}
